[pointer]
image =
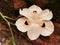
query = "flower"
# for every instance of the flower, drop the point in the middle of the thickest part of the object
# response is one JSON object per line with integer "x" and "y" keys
{"x": 36, "y": 22}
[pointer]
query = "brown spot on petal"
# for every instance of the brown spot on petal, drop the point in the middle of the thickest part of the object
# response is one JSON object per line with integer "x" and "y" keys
{"x": 26, "y": 23}
{"x": 34, "y": 11}
{"x": 43, "y": 25}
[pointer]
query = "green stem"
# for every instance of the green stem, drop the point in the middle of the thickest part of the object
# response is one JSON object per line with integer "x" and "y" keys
{"x": 11, "y": 33}
{"x": 9, "y": 27}
{"x": 12, "y": 24}
{"x": 9, "y": 18}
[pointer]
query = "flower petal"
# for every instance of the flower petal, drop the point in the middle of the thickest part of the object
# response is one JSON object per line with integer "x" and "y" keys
{"x": 35, "y": 8}
{"x": 34, "y": 32}
{"x": 46, "y": 15}
{"x": 25, "y": 12}
{"x": 48, "y": 29}
{"x": 20, "y": 24}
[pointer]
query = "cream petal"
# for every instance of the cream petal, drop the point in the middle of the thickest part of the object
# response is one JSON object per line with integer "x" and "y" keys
{"x": 46, "y": 15}
{"x": 25, "y": 12}
{"x": 20, "y": 24}
{"x": 48, "y": 29}
{"x": 34, "y": 32}
{"x": 35, "y": 8}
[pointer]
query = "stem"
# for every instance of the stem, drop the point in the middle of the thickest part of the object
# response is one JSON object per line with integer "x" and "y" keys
{"x": 9, "y": 18}
{"x": 12, "y": 24}
{"x": 9, "y": 27}
{"x": 11, "y": 33}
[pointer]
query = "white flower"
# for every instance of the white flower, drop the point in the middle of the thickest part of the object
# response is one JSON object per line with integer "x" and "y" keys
{"x": 36, "y": 22}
